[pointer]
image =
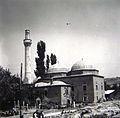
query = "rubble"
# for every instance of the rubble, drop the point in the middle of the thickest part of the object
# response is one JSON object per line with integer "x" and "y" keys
{"x": 108, "y": 109}
{"x": 102, "y": 110}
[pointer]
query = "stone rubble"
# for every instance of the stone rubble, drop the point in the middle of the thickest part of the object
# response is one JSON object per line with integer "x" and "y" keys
{"x": 98, "y": 110}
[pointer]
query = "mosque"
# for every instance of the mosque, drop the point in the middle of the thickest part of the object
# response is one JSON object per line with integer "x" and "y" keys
{"x": 64, "y": 87}
{"x": 80, "y": 84}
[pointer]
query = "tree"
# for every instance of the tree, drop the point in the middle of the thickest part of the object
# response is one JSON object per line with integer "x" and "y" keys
{"x": 40, "y": 68}
{"x": 53, "y": 59}
{"x": 47, "y": 62}
{"x": 8, "y": 89}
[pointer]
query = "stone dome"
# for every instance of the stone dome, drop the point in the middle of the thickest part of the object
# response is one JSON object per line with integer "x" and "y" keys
{"x": 57, "y": 68}
{"x": 78, "y": 66}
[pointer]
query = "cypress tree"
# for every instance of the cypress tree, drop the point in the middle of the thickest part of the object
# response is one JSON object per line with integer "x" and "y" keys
{"x": 47, "y": 62}
{"x": 53, "y": 59}
{"x": 40, "y": 68}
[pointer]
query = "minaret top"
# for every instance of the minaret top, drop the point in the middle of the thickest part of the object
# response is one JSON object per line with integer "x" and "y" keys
{"x": 27, "y": 41}
{"x": 27, "y": 34}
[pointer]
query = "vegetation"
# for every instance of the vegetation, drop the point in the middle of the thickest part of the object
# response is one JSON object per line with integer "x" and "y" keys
{"x": 40, "y": 68}
{"x": 47, "y": 62}
{"x": 53, "y": 59}
{"x": 9, "y": 89}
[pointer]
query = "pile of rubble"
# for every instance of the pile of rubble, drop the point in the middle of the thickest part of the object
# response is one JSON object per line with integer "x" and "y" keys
{"x": 101, "y": 110}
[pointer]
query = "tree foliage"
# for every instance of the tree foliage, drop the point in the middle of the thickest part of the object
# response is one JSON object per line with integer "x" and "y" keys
{"x": 40, "y": 68}
{"x": 47, "y": 62}
{"x": 53, "y": 59}
{"x": 9, "y": 89}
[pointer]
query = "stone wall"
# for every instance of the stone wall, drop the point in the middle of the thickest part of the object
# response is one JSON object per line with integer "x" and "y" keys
{"x": 90, "y": 93}
{"x": 78, "y": 82}
{"x": 99, "y": 92}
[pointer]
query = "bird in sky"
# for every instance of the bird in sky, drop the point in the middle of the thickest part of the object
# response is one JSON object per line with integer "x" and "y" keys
{"x": 68, "y": 23}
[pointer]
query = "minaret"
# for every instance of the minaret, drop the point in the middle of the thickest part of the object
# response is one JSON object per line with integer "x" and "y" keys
{"x": 27, "y": 43}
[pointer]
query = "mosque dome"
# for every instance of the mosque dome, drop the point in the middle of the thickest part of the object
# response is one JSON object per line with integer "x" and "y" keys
{"x": 57, "y": 68}
{"x": 78, "y": 66}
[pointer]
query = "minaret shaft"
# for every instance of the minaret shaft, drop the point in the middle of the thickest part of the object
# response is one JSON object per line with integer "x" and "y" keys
{"x": 27, "y": 44}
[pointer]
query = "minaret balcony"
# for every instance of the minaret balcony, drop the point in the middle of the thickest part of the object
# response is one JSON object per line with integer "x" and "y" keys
{"x": 27, "y": 42}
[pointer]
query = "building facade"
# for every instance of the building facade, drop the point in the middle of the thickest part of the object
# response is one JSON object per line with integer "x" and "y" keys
{"x": 53, "y": 94}
{"x": 87, "y": 86}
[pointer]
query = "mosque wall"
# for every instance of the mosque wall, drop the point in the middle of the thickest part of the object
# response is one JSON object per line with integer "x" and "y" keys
{"x": 83, "y": 87}
{"x": 57, "y": 95}
{"x": 99, "y": 92}
{"x": 60, "y": 74}
{"x": 84, "y": 71}
{"x": 90, "y": 72}
{"x": 66, "y": 95}
{"x": 53, "y": 94}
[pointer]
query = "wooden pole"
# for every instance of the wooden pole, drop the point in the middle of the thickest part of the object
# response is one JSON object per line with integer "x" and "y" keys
{"x": 21, "y": 115}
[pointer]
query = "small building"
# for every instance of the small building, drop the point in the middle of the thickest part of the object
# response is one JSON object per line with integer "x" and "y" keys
{"x": 109, "y": 94}
{"x": 53, "y": 94}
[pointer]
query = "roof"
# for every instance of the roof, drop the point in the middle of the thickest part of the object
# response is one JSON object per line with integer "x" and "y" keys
{"x": 57, "y": 68}
{"x": 55, "y": 83}
{"x": 59, "y": 83}
{"x": 79, "y": 75}
{"x": 87, "y": 69}
{"x": 109, "y": 92}
{"x": 40, "y": 84}
{"x": 78, "y": 65}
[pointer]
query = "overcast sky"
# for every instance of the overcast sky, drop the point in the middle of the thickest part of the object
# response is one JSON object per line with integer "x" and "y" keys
{"x": 93, "y": 33}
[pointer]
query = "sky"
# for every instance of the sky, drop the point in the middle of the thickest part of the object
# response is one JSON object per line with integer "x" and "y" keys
{"x": 93, "y": 32}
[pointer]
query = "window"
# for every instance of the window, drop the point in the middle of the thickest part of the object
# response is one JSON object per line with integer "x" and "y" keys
{"x": 97, "y": 97}
{"x": 96, "y": 87}
{"x": 85, "y": 98}
{"x": 101, "y": 87}
{"x": 84, "y": 87}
